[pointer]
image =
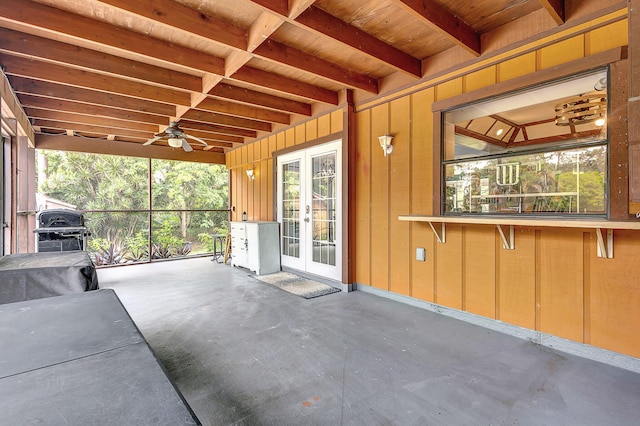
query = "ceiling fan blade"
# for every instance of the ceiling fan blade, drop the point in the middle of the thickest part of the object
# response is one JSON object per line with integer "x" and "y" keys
{"x": 150, "y": 141}
{"x": 196, "y": 139}
{"x": 186, "y": 146}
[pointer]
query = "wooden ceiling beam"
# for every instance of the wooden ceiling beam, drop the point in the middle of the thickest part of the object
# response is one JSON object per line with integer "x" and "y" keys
{"x": 327, "y": 25}
{"x": 27, "y": 14}
{"x": 443, "y": 21}
{"x": 555, "y": 9}
{"x": 220, "y": 140}
{"x": 281, "y": 7}
{"x": 266, "y": 24}
{"x": 251, "y": 41}
{"x": 282, "y": 54}
{"x": 179, "y": 16}
{"x": 226, "y": 120}
{"x": 196, "y": 146}
{"x": 133, "y": 149}
{"x": 245, "y": 111}
{"x": 251, "y": 97}
{"x": 70, "y": 117}
{"x": 22, "y": 44}
{"x": 99, "y": 134}
{"x": 289, "y": 8}
{"x": 188, "y": 124}
{"x": 86, "y": 109}
{"x": 77, "y": 94}
{"x": 59, "y": 74}
{"x": 296, "y": 7}
{"x": 106, "y": 130}
{"x": 189, "y": 19}
{"x": 286, "y": 85}
{"x": 216, "y": 137}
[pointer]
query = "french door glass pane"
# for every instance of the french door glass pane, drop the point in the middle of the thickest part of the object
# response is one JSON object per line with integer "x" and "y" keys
{"x": 291, "y": 209}
{"x": 323, "y": 200}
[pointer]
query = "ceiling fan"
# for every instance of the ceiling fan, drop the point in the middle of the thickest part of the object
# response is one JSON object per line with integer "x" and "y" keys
{"x": 176, "y": 137}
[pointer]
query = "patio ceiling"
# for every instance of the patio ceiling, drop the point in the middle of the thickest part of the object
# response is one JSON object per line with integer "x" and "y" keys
{"x": 230, "y": 71}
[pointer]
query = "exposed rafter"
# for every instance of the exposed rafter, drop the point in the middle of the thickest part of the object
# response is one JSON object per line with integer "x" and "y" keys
{"x": 71, "y": 117}
{"x": 278, "y": 52}
{"x": 327, "y": 25}
{"x": 239, "y": 110}
{"x": 22, "y": 44}
{"x": 441, "y": 19}
{"x": 78, "y": 94}
{"x": 233, "y": 71}
{"x": 555, "y": 8}
{"x": 286, "y": 85}
{"x": 57, "y": 73}
{"x": 107, "y": 146}
{"x": 227, "y": 120}
{"x": 73, "y": 26}
{"x": 280, "y": 7}
{"x": 176, "y": 15}
{"x": 88, "y": 109}
{"x": 225, "y": 130}
{"x": 247, "y": 96}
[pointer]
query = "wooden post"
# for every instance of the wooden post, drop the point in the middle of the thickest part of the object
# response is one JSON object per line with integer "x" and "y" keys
{"x": 634, "y": 107}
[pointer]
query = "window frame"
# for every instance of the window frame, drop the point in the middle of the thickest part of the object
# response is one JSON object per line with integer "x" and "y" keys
{"x": 540, "y": 148}
{"x": 616, "y": 60}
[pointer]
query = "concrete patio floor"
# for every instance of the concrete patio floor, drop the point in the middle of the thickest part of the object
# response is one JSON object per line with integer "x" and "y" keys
{"x": 245, "y": 353}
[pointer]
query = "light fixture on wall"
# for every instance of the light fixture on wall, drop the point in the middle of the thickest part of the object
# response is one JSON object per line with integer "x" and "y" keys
{"x": 250, "y": 174}
{"x": 385, "y": 144}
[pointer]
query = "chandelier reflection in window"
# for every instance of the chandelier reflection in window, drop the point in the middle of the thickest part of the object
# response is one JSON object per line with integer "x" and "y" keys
{"x": 327, "y": 168}
{"x": 583, "y": 109}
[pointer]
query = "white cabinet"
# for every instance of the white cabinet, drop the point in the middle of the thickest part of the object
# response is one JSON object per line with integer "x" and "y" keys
{"x": 256, "y": 246}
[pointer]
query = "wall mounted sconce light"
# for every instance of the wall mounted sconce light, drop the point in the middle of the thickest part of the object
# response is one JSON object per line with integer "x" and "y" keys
{"x": 385, "y": 144}
{"x": 250, "y": 174}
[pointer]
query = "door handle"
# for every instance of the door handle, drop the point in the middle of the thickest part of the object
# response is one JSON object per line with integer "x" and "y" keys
{"x": 306, "y": 219}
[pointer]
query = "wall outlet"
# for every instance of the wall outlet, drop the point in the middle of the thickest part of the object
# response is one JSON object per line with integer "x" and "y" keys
{"x": 421, "y": 254}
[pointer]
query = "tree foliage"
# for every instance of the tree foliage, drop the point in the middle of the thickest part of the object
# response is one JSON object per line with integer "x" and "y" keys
{"x": 118, "y": 188}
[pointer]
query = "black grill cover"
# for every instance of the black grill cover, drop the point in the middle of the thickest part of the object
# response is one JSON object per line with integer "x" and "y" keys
{"x": 59, "y": 218}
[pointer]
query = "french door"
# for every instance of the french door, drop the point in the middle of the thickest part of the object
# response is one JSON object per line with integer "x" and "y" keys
{"x": 310, "y": 210}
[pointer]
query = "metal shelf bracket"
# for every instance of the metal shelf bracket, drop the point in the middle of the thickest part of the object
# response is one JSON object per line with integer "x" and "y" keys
{"x": 605, "y": 246}
{"x": 439, "y": 237}
{"x": 508, "y": 244}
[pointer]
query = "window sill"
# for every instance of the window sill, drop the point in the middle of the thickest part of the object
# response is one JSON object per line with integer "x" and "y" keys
{"x": 604, "y": 228}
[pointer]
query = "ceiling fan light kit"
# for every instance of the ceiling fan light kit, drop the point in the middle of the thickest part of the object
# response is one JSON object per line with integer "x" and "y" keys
{"x": 175, "y": 142}
{"x": 176, "y": 137}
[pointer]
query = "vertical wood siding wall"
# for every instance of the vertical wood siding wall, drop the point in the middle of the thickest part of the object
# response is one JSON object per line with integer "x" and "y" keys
{"x": 552, "y": 282}
{"x": 256, "y": 197}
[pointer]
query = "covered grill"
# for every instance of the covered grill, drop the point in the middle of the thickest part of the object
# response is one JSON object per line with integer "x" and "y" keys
{"x": 60, "y": 230}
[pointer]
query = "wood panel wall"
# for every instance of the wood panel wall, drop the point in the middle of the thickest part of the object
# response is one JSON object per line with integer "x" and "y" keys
{"x": 552, "y": 282}
{"x": 256, "y": 197}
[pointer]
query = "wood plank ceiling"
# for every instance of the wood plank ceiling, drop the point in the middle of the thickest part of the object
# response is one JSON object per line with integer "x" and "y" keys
{"x": 231, "y": 71}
